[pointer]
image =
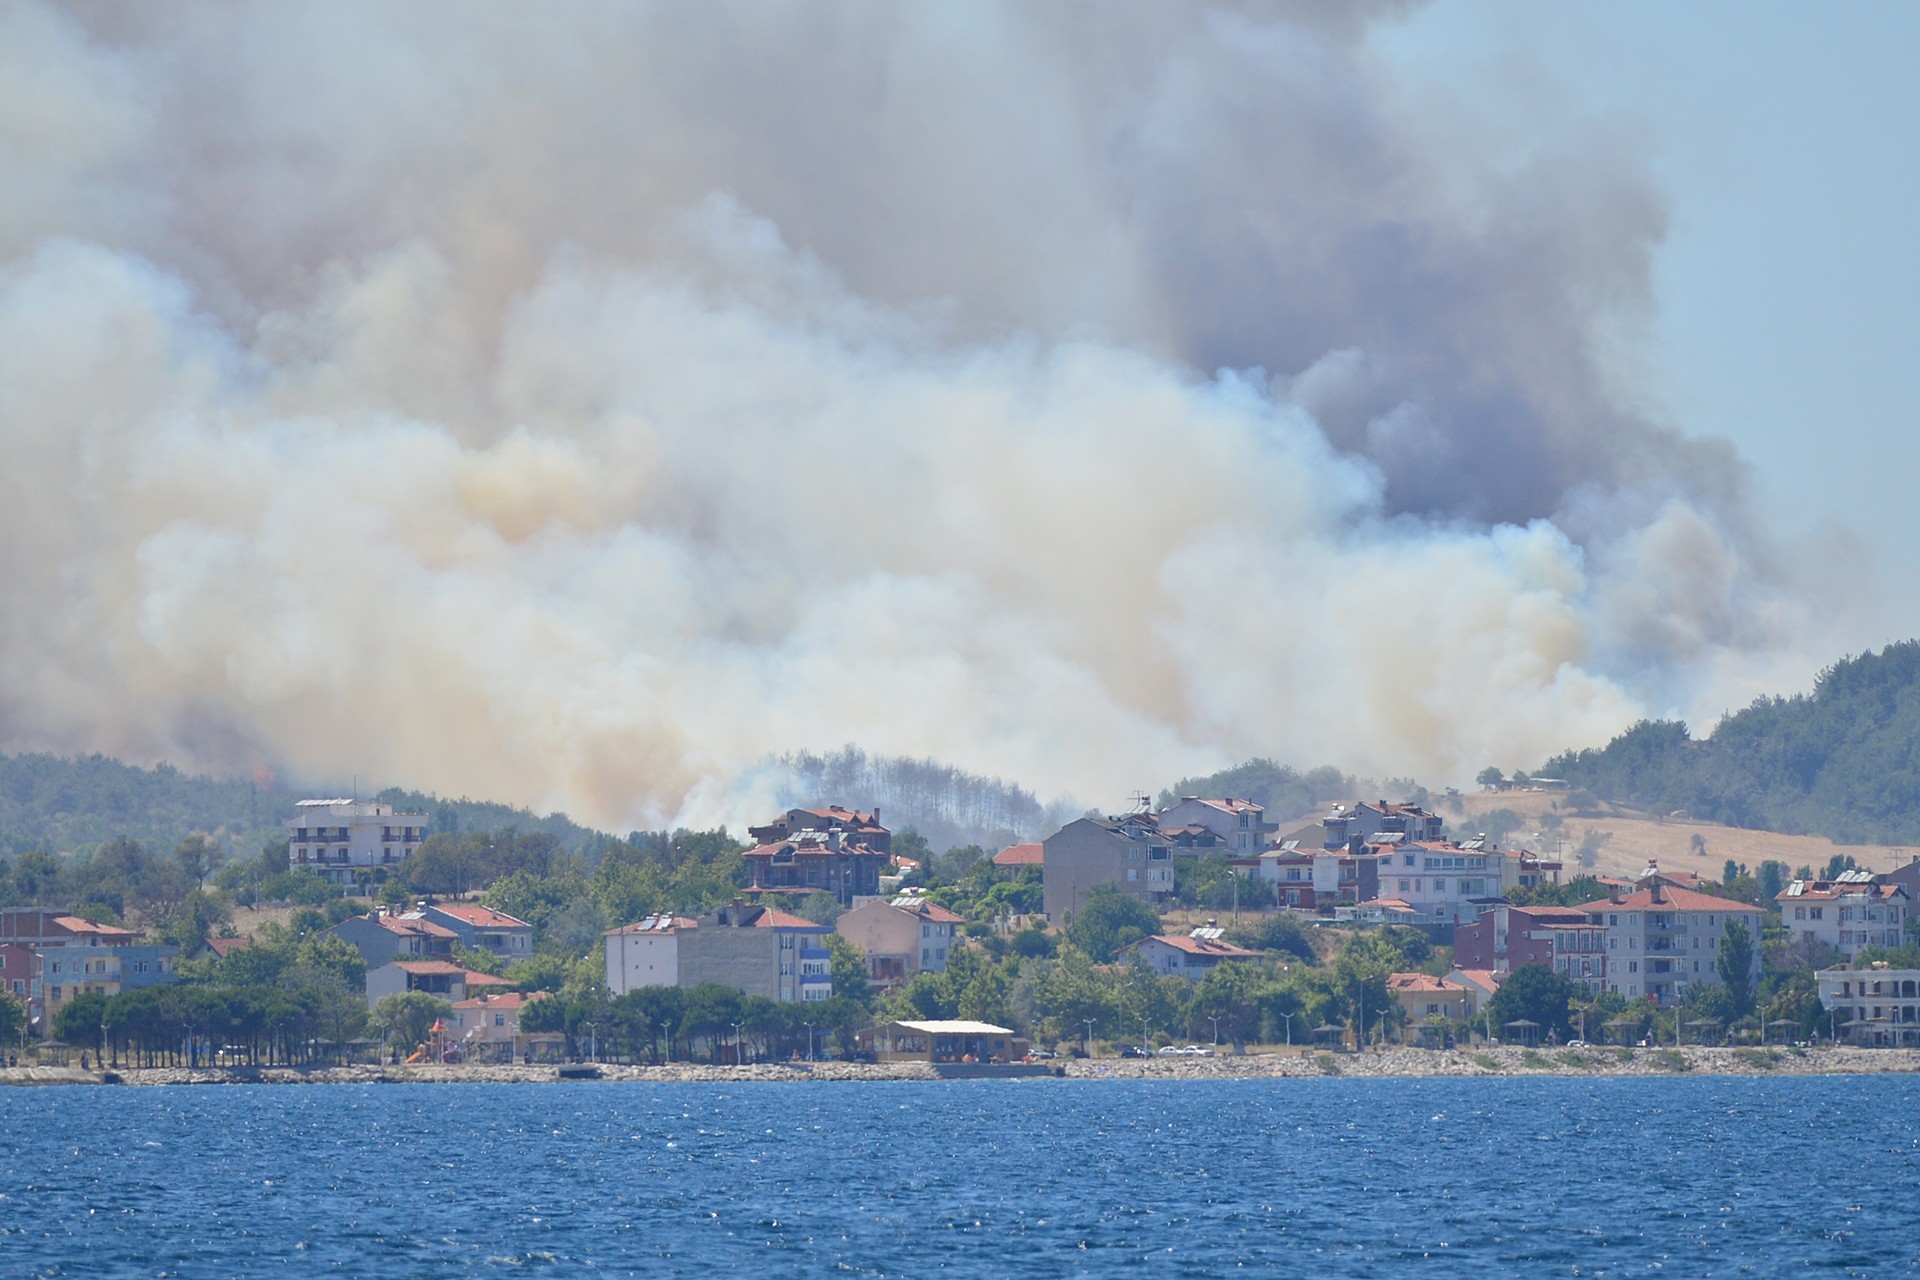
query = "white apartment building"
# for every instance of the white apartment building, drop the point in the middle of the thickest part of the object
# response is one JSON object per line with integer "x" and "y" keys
{"x": 1240, "y": 824}
{"x": 1847, "y": 914}
{"x": 338, "y": 838}
{"x": 1875, "y": 1006}
{"x": 1444, "y": 883}
{"x": 1663, "y": 939}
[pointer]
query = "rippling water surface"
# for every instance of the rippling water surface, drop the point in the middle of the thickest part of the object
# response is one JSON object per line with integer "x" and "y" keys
{"x": 1500, "y": 1177}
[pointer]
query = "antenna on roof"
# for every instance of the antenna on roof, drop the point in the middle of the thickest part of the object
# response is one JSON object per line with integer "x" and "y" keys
{"x": 1142, "y": 802}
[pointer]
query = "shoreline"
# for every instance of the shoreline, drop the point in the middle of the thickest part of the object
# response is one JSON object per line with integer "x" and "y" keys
{"x": 1386, "y": 1064}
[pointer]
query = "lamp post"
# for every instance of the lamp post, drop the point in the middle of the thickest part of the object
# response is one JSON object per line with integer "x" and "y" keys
{"x": 593, "y": 1045}
{"x": 1087, "y": 1043}
{"x": 667, "y": 1035}
{"x": 809, "y": 1027}
{"x": 739, "y": 1054}
{"x": 1216, "y": 1030}
{"x": 1289, "y": 1021}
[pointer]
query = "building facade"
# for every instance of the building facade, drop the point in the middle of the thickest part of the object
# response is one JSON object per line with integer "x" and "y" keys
{"x": 483, "y": 928}
{"x": 1662, "y": 939}
{"x": 340, "y": 839}
{"x": 1877, "y": 1006}
{"x": 900, "y": 938}
{"x": 1130, "y": 854}
{"x": 758, "y": 950}
{"x": 1855, "y": 911}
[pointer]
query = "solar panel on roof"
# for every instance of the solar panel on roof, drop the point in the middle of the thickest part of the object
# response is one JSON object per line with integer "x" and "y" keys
{"x": 1795, "y": 889}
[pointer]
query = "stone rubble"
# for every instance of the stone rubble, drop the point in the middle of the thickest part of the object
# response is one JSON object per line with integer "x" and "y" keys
{"x": 1389, "y": 1063}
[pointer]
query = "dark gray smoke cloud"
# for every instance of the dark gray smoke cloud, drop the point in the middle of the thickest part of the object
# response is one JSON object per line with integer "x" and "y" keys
{"x": 575, "y": 403}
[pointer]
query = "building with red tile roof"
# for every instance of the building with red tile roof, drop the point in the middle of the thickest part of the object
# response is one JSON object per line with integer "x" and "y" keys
{"x": 1663, "y": 940}
{"x": 483, "y": 928}
{"x": 1021, "y": 855}
{"x": 1856, "y": 910}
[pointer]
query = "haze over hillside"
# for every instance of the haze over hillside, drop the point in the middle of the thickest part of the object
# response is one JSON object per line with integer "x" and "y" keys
{"x": 575, "y": 412}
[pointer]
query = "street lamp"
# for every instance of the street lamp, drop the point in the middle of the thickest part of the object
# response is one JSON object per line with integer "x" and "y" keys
{"x": 668, "y": 1037}
{"x": 809, "y": 1027}
{"x": 1216, "y": 1030}
{"x": 593, "y": 1045}
{"x": 739, "y": 1055}
{"x": 1289, "y": 1020}
{"x": 1087, "y": 1044}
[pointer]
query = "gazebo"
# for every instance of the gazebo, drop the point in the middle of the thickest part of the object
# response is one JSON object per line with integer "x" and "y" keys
{"x": 1528, "y": 1029}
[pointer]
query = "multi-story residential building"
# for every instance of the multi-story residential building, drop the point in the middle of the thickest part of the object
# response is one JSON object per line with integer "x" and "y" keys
{"x": 1662, "y": 939}
{"x": 1565, "y": 939}
{"x": 483, "y": 928}
{"x": 1129, "y": 853}
{"x": 756, "y": 949}
{"x": 1855, "y": 911}
{"x": 384, "y": 937}
{"x": 856, "y": 827}
{"x": 1349, "y": 828}
{"x": 1189, "y": 956}
{"x": 816, "y": 861}
{"x": 900, "y": 938}
{"x": 341, "y": 838}
{"x": 1877, "y": 1006}
{"x": 1240, "y": 824}
{"x": 67, "y": 972}
{"x": 1320, "y": 879}
{"x": 1445, "y": 883}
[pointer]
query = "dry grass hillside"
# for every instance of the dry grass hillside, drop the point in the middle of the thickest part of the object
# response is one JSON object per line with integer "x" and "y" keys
{"x": 1635, "y": 836}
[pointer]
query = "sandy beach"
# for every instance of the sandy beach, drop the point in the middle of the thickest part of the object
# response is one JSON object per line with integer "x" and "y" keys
{"x": 1391, "y": 1063}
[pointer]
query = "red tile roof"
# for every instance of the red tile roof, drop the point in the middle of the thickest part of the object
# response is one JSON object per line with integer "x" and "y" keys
{"x": 429, "y": 967}
{"x": 224, "y": 947}
{"x": 1421, "y": 982}
{"x": 477, "y": 979}
{"x": 931, "y": 912}
{"x": 775, "y": 918}
{"x": 1672, "y": 899}
{"x": 1020, "y": 855}
{"x": 411, "y": 924}
{"x": 481, "y": 917}
{"x": 500, "y": 1000}
{"x": 79, "y": 924}
{"x": 1203, "y": 947}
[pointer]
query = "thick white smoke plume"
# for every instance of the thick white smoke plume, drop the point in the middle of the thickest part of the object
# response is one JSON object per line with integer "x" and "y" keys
{"x": 574, "y": 404}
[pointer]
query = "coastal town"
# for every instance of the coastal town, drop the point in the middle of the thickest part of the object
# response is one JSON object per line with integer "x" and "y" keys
{"x": 1193, "y": 938}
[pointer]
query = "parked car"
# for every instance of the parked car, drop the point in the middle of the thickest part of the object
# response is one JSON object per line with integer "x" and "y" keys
{"x": 1136, "y": 1051}
{"x": 1171, "y": 1051}
{"x": 1197, "y": 1051}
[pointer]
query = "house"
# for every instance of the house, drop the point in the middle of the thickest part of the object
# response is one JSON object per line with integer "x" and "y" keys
{"x": 1423, "y": 996}
{"x": 843, "y": 860}
{"x": 1189, "y": 956}
{"x": 856, "y": 827}
{"x": 901, "y": 937}
{"x": 756, "y": 949}
{"x": 1378, "y": 911}
{"x": 483, "y": 928}
{"x": 1877, "y": 1006}
{"x": 1239, "y": 825}
{"x": 1663, "y": 939}
{"x": 1854, "y": 911}
{"x": 384, "y": 936}
{"x": 41, "y": 928}
{"x": 1565, "y": 939}
{"x": 341, "y": 838}
{"x": 1480, "y": 983}
{"x": 487, "y": 1026}
{"x": 1015, "y": 856}
{"x": 942, "y": 1041}
{"x": 1446, "y": 883}
{"x": 440, "y": 978}
{"x": 67, "y": 972}
{"x": 1350, "y": 827}
{"x": 1127, "y": 853}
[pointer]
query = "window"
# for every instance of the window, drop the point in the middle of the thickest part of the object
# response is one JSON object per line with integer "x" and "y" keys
{"x": 1133, "y": 873}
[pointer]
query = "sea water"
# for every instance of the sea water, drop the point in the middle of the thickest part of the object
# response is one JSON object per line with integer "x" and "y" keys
{"x": 1330, "y": 1177}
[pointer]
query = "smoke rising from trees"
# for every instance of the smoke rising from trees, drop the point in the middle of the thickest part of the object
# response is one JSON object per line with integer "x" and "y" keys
{"x": 576, "y": 406}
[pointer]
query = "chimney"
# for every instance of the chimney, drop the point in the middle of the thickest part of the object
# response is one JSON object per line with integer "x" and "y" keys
{"x": 876, "y": 815}
{"x": 833, "y": 839}
{"x": 1659, "y": 892}
{"x": 1613, "y": 895}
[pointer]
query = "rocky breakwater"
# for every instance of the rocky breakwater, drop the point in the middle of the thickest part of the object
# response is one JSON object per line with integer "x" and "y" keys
{"x": 1503, "y": 1061}
{"x": 479, "y": 1073}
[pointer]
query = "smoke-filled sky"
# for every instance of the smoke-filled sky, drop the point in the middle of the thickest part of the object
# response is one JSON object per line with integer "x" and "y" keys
{"x": 574, "y": 404}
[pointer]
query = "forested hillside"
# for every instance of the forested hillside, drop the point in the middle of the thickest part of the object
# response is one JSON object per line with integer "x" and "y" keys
{"x": 1843, "y": 761}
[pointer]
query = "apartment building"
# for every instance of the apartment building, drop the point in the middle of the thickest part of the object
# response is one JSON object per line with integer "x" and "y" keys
{"x": 340, "y": 839}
